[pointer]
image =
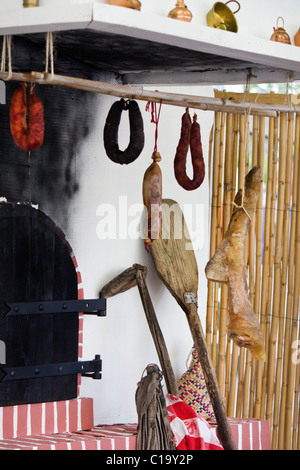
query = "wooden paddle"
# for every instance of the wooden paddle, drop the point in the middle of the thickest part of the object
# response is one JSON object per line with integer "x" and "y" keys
{"x": 176, "y": 265}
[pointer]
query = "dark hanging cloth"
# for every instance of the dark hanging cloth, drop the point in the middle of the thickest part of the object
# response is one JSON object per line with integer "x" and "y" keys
{"x": 154, "y": 432}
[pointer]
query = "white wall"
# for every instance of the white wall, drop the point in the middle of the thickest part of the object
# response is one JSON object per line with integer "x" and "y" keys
{"x": 123, "y": 338}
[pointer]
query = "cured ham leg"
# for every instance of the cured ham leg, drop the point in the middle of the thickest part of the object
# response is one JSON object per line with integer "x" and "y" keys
{"x": 228, "y": 266}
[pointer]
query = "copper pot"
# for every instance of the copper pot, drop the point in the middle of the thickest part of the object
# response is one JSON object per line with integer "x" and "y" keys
{"x": 222, "y": 17}
{"x": 280, "y": 34}
{"x": 180, "y": 12}
{"x": 297, "y": 38}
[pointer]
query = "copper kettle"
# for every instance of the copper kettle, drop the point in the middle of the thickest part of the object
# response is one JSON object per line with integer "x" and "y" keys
{"x": 280, "y": 34}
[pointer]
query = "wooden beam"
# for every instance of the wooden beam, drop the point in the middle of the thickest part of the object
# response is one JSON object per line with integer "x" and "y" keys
{"x": 131, "y": 92}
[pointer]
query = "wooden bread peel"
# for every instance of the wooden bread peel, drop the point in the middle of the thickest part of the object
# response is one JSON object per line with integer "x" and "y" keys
{"x": 176, "y": 265}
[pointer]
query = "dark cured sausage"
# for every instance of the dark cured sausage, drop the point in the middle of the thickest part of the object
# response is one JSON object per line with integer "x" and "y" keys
{"x": 152, "y": 198}
{"x": 190, "y": 137}
{"x": 31, "y": 136}
{"x": 111, "y": 128}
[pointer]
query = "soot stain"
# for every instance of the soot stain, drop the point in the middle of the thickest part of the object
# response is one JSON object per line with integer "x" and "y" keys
{"x": 52, "y": 175}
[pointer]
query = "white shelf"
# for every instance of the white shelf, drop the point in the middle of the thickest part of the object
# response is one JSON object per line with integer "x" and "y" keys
{"x": 215, "y": 56}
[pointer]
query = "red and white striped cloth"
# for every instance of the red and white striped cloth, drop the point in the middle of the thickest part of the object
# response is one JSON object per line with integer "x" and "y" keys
{"x": 190, "y": 431}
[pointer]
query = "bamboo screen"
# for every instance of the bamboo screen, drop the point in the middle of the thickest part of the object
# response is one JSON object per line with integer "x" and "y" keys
{"x": 251, "y": 388}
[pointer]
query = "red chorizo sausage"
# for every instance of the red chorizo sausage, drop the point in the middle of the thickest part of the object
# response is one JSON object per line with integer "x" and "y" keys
{"x": 31, "y": 136}
{"x": 190, "y": 138}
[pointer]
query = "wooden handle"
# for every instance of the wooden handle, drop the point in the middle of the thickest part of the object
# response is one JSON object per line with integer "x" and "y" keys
{"x": 156, "y": 333}
{"x": 210, "y": 378}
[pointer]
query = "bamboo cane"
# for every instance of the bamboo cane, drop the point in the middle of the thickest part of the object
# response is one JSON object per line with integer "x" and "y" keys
{"x": 281, "y": 312}
{"x": 221, "y": 370}
{"x": 248, "y": 394}
{"x": 296, "y": 408}
{"x": 233, "y": 348}
{"x": 264, "y": 285}
{"x": 271, "y": 261}
{"x": 213, "y": 230}
{"x": 290, "y": 290}
{"x": 241, "y": 177}
{"x": 216, "y": 230}
{"x": 290, "y": 287}
{"x": 256, "y": 245}
{"x": 294, "y": 327}
{"x": 277, "y": 264}
{"x": 227, "y": 204}
{"x": 219, "y": 234}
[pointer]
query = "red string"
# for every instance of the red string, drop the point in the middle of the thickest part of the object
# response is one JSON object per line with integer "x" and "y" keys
{"x": 155, "y": 119}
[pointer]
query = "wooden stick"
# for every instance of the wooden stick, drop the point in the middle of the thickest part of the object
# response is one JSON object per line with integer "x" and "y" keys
{"x": 156, "y": 333}
{"x": 129, "y": 278}
{"x": 132, "y": 92}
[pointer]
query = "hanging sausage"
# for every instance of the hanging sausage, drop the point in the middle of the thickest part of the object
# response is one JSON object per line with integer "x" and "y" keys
{"x": 190, "y": 138}
{"x": 111, "y": 130}
{"x": 27, "y": 136}
{"x": 152, "y": 188}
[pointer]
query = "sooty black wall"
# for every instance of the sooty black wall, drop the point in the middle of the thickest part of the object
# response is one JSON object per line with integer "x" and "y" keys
{"x": 49, "y": 178}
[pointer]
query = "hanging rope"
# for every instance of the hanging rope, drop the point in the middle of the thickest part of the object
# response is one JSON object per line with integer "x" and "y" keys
{"x": 6, "y": 51}
{"x": 155, "y": 115}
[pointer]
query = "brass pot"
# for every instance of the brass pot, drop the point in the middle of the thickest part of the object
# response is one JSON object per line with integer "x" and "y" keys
{"x": 280, "y": 34}
{"x": 180, "y": 12}
{"x": 30, "y": 3}
{"x": 135, "y": 4}
{"x": 297, "y": 38}
{"x": 221, "y": 17}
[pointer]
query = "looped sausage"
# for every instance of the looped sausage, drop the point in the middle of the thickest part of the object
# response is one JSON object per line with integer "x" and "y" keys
{"x": 31, "y": 136}
{"x": 111, "y": 128}
{"x": 190, "y": 137}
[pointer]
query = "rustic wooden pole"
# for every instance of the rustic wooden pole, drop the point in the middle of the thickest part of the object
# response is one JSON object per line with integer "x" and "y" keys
{"x": 137, "y": 93}
{"x": 156, "y": 333}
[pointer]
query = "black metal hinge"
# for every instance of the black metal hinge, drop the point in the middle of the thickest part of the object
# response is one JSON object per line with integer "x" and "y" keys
{"x": 90, "y": 307}
{"x": 90, "y": 369}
